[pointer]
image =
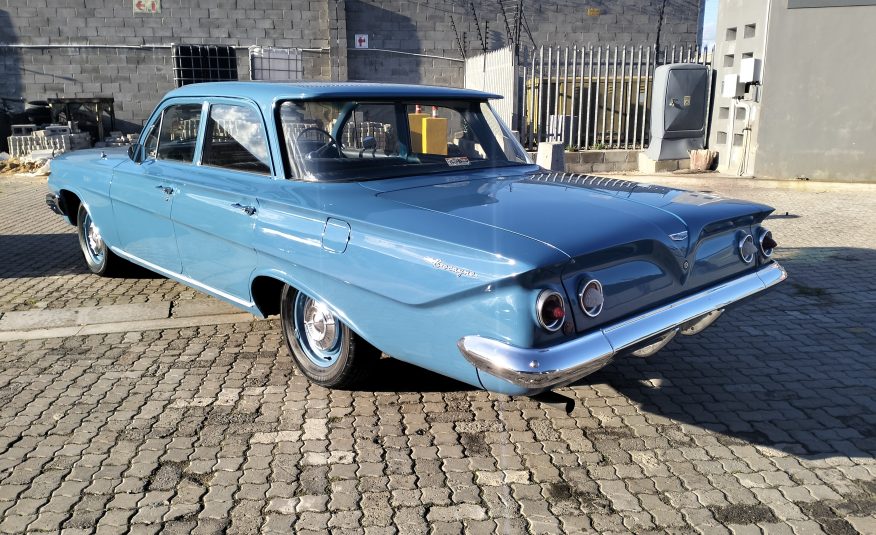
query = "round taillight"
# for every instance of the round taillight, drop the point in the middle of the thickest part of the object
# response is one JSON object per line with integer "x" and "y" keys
{"x": 591, "y": 298}
{"x": 766, "y": 243}
{"x": 747, "y": 249}
{"x": 550, "y": 309}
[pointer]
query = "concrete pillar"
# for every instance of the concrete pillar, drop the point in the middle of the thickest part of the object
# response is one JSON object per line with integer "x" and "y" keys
{"x": 550, "y": 156}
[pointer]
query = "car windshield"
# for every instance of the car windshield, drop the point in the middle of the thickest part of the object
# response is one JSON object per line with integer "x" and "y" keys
{"x": 374, "y": 139}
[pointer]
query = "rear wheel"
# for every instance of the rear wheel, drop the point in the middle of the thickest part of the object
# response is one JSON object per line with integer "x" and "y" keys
{"x": 325, "y": 349}
{"x": 98, "y": 256}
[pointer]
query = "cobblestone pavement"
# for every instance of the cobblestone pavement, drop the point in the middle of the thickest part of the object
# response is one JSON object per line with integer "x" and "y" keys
{"x": 764, "y": 422}
{"x": 40, "y": 267}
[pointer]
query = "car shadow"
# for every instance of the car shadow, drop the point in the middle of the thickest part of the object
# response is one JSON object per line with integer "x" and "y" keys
{"x": 794, "y": 370}
{"x": 47, "y": 255}
{"x": 40, "y": 255}
{"x": 393, "y": 375}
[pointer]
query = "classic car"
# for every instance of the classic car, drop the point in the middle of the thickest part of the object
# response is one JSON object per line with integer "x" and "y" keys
{"x": 409, "y": 220}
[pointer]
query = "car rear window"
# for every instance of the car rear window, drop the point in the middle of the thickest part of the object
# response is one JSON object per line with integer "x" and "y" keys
{"x": 235, "y": 139}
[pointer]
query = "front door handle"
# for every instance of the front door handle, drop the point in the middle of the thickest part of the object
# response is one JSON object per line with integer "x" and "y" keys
{"x": 166, "y": 189}
{"x": 248, "y": 210}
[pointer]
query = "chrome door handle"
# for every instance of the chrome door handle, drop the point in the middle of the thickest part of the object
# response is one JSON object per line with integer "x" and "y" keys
{"x": 166, "y": 189}
{"x": 248, "y": 210}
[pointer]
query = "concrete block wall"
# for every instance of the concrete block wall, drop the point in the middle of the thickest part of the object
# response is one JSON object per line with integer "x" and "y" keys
{"x": 425, "y": 28}
{"x": 137, "y": 78}
{"x": 602, "y": 161}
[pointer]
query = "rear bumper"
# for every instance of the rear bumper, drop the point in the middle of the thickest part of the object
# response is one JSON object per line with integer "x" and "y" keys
{"x": 55, "y": 204}
{"x": 538, "y": 369}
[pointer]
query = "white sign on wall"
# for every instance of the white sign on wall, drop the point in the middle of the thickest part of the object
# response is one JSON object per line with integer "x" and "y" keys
{"x": 361, "y": 40}
{"x": 147, "y": 6}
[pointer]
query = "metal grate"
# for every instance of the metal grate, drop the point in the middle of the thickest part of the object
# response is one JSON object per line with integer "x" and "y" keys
{"x": 203, "y": 63}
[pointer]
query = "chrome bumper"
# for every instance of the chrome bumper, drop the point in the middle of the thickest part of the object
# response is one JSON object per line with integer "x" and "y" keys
{"x": 567, "y": 362}
{"x": 54, "y": 203}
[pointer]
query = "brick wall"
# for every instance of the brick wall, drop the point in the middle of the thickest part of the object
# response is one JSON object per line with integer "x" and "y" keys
{"x": 137, "y": 78}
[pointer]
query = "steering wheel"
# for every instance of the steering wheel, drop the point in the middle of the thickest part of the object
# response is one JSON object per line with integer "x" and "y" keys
{"x": 318, "y": 153}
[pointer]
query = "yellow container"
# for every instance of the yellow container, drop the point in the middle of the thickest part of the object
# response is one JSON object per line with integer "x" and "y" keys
{"x": 415, "y": 121}
{"x": 435, "y": 135}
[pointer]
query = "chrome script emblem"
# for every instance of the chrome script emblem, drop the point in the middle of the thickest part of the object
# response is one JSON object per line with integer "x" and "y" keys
{"x": 437, "y": 263}
{"x": 678, "y": 236}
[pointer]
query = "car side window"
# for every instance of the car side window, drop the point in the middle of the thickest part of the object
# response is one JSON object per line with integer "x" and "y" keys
{"x": 178, "y": 133}
{"x": 235, "y": 139}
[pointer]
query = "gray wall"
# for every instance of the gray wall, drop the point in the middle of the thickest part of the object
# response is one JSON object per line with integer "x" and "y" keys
{"x": 729, "y": 120}
{"x": 813, "y": 116}
{"x": 818, "y": 119}
{"x": 425, "y": 27}
{"x": 137, "y": 78}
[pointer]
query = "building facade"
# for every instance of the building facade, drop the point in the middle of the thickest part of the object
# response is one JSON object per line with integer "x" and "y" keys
{"x": 104, "y": 48}
{"x": 810, "y": 114}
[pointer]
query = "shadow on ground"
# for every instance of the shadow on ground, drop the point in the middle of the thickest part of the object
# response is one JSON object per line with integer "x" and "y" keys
{"x": 392, "y": 375}
{"x": 794, "y": 370}
{"x": 48, "y": 255}
{"x": 40, "y": 255}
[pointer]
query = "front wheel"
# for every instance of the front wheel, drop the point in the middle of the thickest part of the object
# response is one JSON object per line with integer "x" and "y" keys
{"x": 98, "y": 256}
{"x": 326, "y": 351}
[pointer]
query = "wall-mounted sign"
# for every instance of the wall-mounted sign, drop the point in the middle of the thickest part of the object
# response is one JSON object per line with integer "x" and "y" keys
{"x": 361, "y": 40}
{"x": 593, "y": 12}
{"x": 147, "y": 6}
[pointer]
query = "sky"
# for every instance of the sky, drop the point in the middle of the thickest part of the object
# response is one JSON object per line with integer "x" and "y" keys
{"x": 710, "y": 20}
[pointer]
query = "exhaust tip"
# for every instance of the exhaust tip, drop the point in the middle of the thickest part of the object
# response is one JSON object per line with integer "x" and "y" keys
{"x": 698, "y": 325}
{"x": 657, "y": 345}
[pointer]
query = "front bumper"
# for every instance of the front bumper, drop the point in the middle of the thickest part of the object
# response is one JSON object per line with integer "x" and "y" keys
{"x": 564, "y": 363}
{"x": 55, "y": 204}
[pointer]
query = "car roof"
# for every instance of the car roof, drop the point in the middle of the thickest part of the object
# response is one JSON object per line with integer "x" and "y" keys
{"x": 266, "y": 93}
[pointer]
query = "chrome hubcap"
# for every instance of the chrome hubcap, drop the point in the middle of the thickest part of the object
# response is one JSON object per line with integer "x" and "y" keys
{"x": 320, "y": 325}
{"x": 93, "y": 239}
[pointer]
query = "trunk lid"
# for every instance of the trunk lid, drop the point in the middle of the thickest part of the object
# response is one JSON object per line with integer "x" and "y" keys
{"x": 568, "y": 216}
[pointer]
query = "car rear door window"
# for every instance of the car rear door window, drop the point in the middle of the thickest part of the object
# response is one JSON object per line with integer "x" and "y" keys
{"x": 236, "y": 140}
{"x": 179, "y": 133}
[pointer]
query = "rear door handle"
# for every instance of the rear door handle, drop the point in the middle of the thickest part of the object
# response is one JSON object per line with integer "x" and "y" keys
{"x": 166, "y": 189}
{"x": 248, "y": 210}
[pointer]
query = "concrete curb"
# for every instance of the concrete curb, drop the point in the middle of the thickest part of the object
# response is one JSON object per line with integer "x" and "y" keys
{"x": 126, "y": 326}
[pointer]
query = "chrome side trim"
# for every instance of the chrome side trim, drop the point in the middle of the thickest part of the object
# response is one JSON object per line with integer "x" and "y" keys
{"x": 183, "y": 279}
{"x": 569, "y": 361}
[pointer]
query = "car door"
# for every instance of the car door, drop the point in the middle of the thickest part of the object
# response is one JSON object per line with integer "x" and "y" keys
{"x": 143, "y": 192}
{"x": 216, "y": 211}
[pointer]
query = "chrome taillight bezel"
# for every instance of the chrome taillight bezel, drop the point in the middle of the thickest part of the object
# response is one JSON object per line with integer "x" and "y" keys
{"x": 543, "y": 299}
{"x": 764, "y": 233}
{"x": 591, "y": 311}
{"x": 747, "y": 239}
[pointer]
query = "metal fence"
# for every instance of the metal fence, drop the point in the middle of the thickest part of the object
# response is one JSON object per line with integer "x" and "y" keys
{"x": 592, "y": 97}
{"x": 495, "y": 72}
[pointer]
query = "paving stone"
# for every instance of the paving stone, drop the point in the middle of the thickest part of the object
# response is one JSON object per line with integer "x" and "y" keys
{"x": 751, "y": 426}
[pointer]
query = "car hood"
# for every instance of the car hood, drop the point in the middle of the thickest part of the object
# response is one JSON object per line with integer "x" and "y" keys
{"x": 576, "y": 213}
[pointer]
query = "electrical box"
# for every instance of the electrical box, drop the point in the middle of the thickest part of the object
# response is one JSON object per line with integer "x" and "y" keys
{"x": 678, "y": 110}
{"x": 731, "y": 88}
{"x": 749, "y": 71}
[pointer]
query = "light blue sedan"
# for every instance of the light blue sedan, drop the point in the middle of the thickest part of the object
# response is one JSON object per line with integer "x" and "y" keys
{"x": 408, "y": 220}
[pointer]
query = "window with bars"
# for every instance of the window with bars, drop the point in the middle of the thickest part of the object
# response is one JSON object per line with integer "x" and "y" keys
{"x": 203, "y": 63}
